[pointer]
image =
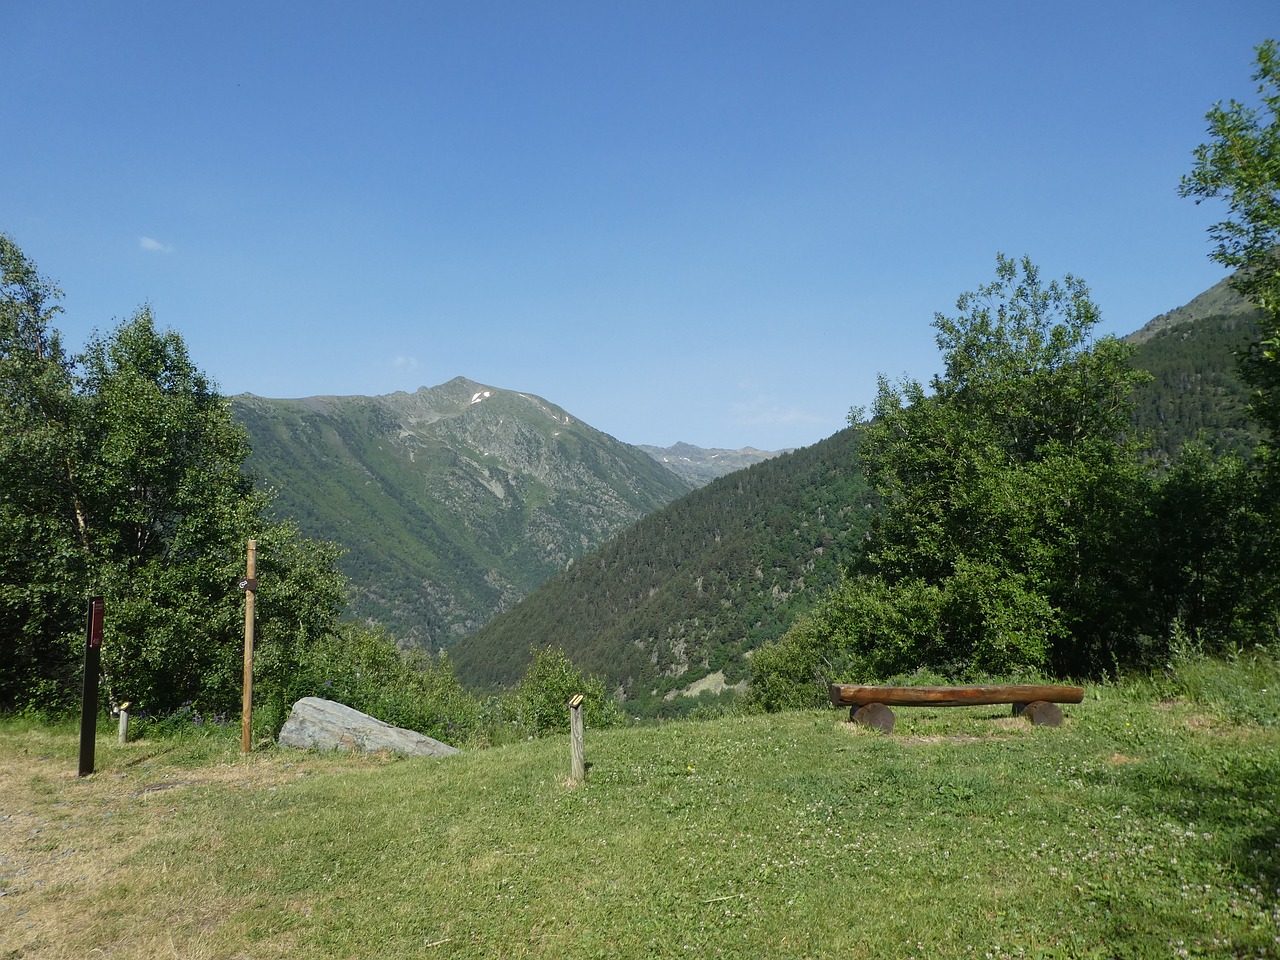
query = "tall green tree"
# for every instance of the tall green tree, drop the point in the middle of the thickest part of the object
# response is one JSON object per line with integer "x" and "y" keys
{"x": 1241, "y": 166}
{"x": 121, "y": 476}
{"x": 1011, "y": 483}
{"x": 41, "y": 553}
{"x": 1011, "y": 496}
{"x": 168, "y": 511}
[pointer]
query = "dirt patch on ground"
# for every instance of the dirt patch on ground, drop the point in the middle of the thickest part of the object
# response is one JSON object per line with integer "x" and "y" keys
{"x": 1194, "y": 719}
{"x": 1204, "y": 723}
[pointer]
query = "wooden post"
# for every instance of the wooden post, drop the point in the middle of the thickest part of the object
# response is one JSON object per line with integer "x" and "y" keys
{"x": 124, "y": 721}
{"x": 577, "y": 745}
{"x": 89, "y": 689}
{"x": 250, "y": 587}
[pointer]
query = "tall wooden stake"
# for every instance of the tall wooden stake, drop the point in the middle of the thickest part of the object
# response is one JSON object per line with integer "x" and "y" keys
{"x": 250, "y": 587}
{"x": 89, "y": 689}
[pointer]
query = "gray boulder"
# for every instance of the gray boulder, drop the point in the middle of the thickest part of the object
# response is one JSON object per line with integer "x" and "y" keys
{"x": 316, "y": 724}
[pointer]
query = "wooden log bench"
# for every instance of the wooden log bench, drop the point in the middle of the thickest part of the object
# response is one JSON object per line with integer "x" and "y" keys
{"x": 870, "y": 705}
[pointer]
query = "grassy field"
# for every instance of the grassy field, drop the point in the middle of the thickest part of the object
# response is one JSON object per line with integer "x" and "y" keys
{"x": 1147, "y": 826}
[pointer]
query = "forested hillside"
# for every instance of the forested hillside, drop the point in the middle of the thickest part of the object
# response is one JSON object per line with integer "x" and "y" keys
{"x": 1196, "y": 390}
{"x": 690, "y": 590}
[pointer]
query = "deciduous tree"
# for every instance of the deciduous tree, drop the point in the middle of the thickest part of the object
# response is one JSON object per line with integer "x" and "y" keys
{"x": 1011, "y": 483}
{"x": 120, "y": 474}
{"x": 1011, "y": 497}
{"x": 1241, "y": 165}
{"x": 41, "y": 555}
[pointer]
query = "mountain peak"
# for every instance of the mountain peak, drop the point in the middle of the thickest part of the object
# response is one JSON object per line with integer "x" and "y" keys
{"x": 1220, "y": 300}
{"x": 700, "y": 466}
{"x": 452, "y": 501}
{"x": 459, "y": 385}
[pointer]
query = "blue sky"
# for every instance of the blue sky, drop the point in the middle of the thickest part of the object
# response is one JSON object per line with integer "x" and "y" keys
{"x": 703, "y": 221}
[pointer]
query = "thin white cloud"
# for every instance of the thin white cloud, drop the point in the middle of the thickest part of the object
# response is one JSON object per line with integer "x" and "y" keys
{"x": 405, "y": 363}
{"x": 153, "y": 246}
{"x": 769, "y": 412}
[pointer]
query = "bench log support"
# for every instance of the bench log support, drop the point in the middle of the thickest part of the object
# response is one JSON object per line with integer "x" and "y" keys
{"x": 873, "y": 715}
{"x": 870, "y": 705}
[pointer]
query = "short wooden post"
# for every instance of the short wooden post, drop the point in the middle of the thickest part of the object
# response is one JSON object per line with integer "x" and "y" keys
{"x": 124, "y": 721}
{"x": 577, "y": 745}
{"x": 250, "y": 587}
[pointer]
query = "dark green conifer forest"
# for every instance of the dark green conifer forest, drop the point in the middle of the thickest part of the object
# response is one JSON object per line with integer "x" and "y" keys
{"x": 692, "y": 588}
{"x": 1196, "y": 391}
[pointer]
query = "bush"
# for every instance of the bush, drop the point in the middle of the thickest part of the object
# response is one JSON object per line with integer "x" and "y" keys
{"x": 361, "y": 667}
{"x": 978, "y": 622}
{"x": 186, "y": 721}
{"x": 539, "y": 703}
{"x": 1007, "y": 627}
{"x": 787, "y": 673}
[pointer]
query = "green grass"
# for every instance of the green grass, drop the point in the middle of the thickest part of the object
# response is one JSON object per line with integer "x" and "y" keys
{"x": 1144, "y": 827}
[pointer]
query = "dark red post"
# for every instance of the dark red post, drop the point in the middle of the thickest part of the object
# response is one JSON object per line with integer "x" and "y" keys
{"x": 89, "y": 695}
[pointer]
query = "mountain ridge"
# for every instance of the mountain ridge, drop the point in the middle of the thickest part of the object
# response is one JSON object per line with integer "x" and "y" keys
{"x": 464, "y": 502}
{"x": 1220, "y": 300}
{"x": 452, "y": 501}
{"x": 701, "y": 465}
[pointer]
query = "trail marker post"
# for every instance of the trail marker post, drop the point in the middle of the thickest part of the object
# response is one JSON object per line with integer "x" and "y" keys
{"x": 250, "y": 587}
{"x": 577, "y": 744}
{"x": 122, "y": 731}
{"x": 89, "y": 690}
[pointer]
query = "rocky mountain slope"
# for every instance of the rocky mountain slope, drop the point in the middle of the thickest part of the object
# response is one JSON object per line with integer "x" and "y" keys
{"x": 700, "y": 466}
{"x": 454, "y": 501}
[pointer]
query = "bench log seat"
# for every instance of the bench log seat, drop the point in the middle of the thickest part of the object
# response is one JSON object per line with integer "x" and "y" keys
{"x": 1036, "y": 702}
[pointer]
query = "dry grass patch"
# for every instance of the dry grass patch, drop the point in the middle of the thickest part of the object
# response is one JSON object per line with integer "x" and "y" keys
{"x": 79, "y": 868}
{"x": 925, "y": 726}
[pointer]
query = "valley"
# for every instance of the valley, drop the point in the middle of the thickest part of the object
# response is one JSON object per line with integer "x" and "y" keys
{"x": 487, "y": 521}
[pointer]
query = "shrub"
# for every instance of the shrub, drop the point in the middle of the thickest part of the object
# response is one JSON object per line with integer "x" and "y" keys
{"x": 538, "y": 704}
{"x": 978, "y": 622}
{"x": 787, "y": 673}
{"x": 1007, "y": 627}
{"x": 361, "y": 667}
